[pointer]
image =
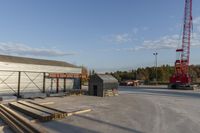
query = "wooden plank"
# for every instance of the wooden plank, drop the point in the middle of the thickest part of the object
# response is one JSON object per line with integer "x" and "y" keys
{"x": 31, "y": 112}
{"x": 53, "y": 113}
{"x": 61, "y": 111}
{"x": 34, "y": 127}
{"x": 11, "y": 124}
{"x": 19, "y": 124}
{"x": 42, "y": 109}
{"x": 78, "y": 112}
{"x": 46, "y": 103}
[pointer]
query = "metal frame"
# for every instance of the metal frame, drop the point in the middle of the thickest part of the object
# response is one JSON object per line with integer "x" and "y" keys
{"x": 17, "y": 91}
{"x": 4, "y": 82}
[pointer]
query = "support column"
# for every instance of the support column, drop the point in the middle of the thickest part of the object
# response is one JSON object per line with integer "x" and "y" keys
{"x": 57, "y": 85}
{"x": 51, "y": 85}
{"x": 80, "y": 83}
{"x": 44, "y": 82}
{"x": 64, "y": 85}
{"x": 18, "y": 89}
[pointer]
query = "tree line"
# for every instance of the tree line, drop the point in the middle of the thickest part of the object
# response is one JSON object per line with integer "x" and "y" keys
{"x": 148, "y": 74}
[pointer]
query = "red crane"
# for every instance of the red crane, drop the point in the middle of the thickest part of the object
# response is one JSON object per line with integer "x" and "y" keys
{"x": 181, "y": 77}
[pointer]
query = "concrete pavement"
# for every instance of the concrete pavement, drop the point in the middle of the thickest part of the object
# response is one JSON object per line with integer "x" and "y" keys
{"x": 135, "y": 110}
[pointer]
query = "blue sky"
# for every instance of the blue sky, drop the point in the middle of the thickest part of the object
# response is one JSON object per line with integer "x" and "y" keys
{"x": 100, "y": 34}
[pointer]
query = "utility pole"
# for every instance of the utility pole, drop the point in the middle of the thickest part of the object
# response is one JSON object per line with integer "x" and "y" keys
{"x": 156, "y": 65}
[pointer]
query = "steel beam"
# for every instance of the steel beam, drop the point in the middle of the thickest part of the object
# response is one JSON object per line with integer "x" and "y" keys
{"x": 44, "y": 82}
{"x": 18, "y": 89}
{"x": 57, "y": 85}
{"x": 64, "y": 85}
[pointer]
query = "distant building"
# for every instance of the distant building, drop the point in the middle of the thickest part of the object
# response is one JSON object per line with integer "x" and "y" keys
{"x": 131, "y": 83}
{"x": 102, "y": 85}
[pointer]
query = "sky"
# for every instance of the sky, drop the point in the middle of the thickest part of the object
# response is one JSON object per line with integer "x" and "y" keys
{"x": 104, "y": 35}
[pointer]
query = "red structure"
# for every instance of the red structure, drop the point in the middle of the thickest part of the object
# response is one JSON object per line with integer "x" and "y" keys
{"x": 181, "y": 77}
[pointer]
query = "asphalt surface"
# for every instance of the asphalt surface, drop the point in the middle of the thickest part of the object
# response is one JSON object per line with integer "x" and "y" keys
{"x": 171, "y": 111}
{"x": 135, "y": 110}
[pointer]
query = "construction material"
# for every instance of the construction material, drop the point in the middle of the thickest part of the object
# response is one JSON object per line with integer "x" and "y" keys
{"x": 78, "y": 112}
{"x": 11, "y": 124}
{"x": 42, "y": 116}
{"x": 7, "y": 99}
{"x": 18, "y": 123}
{"x": 181, "y": 78}
{"x": 54, "y": 114}
{"x": 110, "y": 93}
{"x": 46, "y": 103}
{"x": 40, "y": 112}
{"x": 60, "y": 111}
{"x": 56, "y": 94}
{"x": 33, "y": 95}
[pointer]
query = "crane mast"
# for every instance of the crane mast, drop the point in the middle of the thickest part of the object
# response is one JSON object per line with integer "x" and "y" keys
{"x": 181, "y": 76}
{"x": 185, "y": 56}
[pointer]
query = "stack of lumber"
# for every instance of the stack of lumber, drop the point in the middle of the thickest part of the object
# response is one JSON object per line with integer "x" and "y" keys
{"x": 110, "y": 93}
{"x": 17, "y": 122}
{"x": 40, "y": 112}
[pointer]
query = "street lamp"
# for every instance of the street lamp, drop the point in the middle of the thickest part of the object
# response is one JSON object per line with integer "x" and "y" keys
{"x": 156, "y": 63}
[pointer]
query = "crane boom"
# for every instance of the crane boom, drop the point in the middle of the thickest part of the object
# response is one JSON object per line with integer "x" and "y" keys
{"x": 181, "y": 76}
{"x": 187, "y": 27}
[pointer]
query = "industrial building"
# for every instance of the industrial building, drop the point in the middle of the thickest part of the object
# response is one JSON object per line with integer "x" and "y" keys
{"x": 101, "y": 84}
{"x": 19, "y": 75}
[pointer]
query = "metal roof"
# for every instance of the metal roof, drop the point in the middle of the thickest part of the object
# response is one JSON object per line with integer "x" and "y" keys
{"x": 25, "y": 60}
{"x": 107, "y": 78}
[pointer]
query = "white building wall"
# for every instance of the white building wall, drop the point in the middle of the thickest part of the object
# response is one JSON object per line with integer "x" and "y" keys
{"x": 9, "y": 78}
{"x": 37, "y": 68}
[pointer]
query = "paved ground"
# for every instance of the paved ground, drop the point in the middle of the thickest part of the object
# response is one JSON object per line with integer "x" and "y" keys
{"x": 134, "y": 111}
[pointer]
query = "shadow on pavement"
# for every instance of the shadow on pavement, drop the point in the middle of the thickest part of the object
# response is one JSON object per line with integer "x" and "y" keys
{"x": 61, "y": 127}
{"x": 110, "y": 124}
{"x": 161, "y": 93}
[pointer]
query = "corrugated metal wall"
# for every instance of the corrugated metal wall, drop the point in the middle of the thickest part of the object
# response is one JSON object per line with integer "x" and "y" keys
{"x": 32, "y": 81}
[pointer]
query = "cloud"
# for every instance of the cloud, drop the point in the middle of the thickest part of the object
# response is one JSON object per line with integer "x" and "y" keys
{"x": 24, "y": 50}
{"x": 125, "y": 37}
{"x": 119, "y": 38}
{"x": 135, "y": 30}
{"x": 145, "y": 28}
{"x": 196, "y": 23}
{"x": 166, "y": 42}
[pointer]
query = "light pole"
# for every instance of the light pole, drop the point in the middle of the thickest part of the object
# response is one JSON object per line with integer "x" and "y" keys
{"x": 156, "y": 64}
